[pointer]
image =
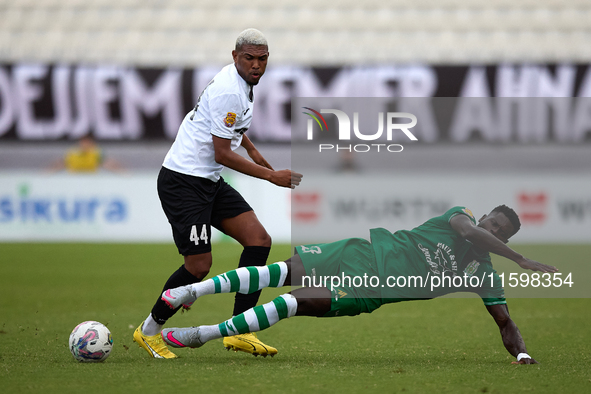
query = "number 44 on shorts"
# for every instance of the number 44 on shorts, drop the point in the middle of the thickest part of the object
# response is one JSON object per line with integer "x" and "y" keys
{"x": 195, "y": 237}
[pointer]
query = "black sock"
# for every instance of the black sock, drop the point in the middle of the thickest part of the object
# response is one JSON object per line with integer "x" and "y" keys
{"x": 181, "y": 277}
{"x": 251, "y": 256}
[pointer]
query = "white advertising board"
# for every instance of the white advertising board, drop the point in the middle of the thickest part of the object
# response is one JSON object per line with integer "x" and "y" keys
{"x": 125, "y": 208}
{"x": 92, "y": 208}
{"x": 552, "y": 208}
{"x": 108, "y": 207}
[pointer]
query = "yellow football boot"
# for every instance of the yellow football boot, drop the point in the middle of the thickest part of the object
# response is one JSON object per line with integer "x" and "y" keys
{"x": 249, "y": 343}
{"x": 154, "y": 344}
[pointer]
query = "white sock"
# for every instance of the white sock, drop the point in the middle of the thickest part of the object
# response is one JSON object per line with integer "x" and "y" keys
{"x": 150, "y": 327}
{"x": 255, "y": 319}
{"x": 204, "y": 288}
{"x": 244, "y": 280}
{"x": 207, "y": 333}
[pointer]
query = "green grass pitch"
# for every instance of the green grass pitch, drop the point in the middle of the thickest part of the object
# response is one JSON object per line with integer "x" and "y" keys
{"x": 443, "y": 345}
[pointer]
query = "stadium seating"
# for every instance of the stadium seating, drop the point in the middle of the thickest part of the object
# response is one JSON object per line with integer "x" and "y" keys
{"x": 193, "y": 32}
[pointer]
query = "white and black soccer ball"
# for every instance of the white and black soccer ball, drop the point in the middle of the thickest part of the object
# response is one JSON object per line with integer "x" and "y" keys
{"x": 91, "y": 341}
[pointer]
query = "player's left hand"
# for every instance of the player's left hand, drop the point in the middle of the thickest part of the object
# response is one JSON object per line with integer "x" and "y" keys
{"x": 285, "y": 178}
{"x": 533, "y": 265}
{"x": 525, "y": 361}
{"x": 296, "y": 178}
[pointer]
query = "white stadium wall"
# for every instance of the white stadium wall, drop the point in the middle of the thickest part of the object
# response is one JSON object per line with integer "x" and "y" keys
{"x": 125, "y": 208}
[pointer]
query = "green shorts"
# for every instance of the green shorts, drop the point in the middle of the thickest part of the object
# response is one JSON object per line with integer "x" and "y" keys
{"x": 345, "y": 267}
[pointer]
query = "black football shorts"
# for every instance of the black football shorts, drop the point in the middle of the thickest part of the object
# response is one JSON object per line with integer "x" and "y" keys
{"x": 193, "y": 204}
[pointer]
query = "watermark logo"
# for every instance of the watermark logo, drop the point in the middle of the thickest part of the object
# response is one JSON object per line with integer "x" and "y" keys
{"x": 315, "y": 117}
{"x": 390, "y": 123}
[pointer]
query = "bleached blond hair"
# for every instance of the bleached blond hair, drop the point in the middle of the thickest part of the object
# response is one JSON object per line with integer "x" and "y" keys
{"x": 250, "y": 37}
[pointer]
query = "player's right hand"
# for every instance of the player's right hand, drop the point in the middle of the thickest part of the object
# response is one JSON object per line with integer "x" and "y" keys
{"x": 286, "y": 178}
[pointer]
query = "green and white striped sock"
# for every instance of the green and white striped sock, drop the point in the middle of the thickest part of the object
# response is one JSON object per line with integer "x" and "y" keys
{"x": 244, "y": 280}
{"x": 255, "y": 319}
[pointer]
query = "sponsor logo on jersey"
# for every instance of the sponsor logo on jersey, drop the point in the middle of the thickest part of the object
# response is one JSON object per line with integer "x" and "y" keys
{"x": 341, "y": 293}
{"x": 443, "y": 260}
{"x": 230, "y": 119}
{"x": 471, "y": 268}
{"x": 468, "y": 212}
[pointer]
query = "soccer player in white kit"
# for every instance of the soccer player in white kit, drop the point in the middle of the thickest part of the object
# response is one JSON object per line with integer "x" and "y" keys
{"x": 195, "y": 197}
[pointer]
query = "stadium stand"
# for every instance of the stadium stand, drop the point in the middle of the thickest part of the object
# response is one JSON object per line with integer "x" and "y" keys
{"x": 198, "y": 34}
{"x": 157, "y": 33}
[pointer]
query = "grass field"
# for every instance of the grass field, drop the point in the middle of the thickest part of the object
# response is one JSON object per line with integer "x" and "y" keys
{"x": 442, "y": 345}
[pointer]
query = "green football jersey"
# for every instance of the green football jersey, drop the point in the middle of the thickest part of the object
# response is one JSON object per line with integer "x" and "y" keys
{"x": 478, "y": 276}
{"x": 421, "y": 263}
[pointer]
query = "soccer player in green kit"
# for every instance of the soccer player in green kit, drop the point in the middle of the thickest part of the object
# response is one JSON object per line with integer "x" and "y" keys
{"x": 446, "y": 254}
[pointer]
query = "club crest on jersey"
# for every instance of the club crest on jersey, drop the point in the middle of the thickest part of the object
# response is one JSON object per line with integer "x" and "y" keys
{"x": 230, "y": 119}
{"x": 471, "y": 268}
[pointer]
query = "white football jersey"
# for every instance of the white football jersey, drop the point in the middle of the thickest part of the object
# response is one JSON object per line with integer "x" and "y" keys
{"x": 224, "y": 110}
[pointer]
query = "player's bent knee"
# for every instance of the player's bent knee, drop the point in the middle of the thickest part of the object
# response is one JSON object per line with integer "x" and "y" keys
{"x": 259, "y": 238}
{"x": 199, "y": 272}
{"x": 198, "y": 265}
{"x": 266, "y": 240}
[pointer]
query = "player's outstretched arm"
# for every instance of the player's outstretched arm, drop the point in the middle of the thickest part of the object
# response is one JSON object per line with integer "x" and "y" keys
{"x": 512, "y": 338}
{"x": 484, "y": 240}
{"x": 227, "y": 157}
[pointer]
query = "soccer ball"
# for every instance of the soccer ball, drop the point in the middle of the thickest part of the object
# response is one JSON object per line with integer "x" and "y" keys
{"x": 91, "y": 342}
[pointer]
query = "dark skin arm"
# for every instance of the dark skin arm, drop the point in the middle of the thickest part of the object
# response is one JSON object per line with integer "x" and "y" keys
{"x": 253, "y": 153}
{"x": 485, "y": 240}
{"x": 259, "y": 169}
{"x": 509, "y": 332}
